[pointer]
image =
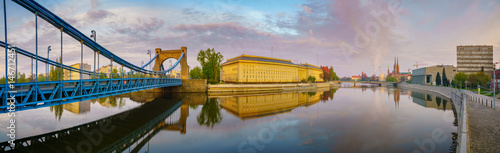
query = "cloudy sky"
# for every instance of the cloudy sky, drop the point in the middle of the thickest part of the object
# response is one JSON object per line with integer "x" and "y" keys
{"x": 350, "y": 35}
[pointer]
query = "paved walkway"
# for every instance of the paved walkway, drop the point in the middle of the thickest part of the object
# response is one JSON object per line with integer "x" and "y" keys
{"x": 484, "y": 127}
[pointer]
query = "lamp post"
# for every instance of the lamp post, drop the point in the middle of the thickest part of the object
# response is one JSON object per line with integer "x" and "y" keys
{"x": 93, "y": 34}
{"x": 47, "y": 64}
{"x": 149, "y": 53}
{"x": 494, "y": 83}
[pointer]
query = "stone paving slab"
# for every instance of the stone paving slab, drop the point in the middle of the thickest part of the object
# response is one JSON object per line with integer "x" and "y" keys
{"x": 484, "y": 128}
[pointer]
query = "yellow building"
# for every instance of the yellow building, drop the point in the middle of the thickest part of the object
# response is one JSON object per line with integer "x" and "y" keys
{"x": 75, "y": 75}
{"x": 255, "y": 69}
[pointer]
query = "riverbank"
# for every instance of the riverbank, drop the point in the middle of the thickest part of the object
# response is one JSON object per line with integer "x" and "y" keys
{"x": 481, "y": 132}
{"x": 229, "y": 89}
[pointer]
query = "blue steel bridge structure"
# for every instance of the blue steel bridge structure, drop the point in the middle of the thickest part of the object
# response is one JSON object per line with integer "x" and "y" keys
{"x": 55, "y": 92}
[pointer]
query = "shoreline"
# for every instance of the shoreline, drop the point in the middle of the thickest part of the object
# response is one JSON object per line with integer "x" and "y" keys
{"x": 230, "y": 89}
{"x": 477, "y": 120}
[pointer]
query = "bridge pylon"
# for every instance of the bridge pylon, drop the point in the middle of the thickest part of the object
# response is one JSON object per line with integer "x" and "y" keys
{"x": 176, "y": 54}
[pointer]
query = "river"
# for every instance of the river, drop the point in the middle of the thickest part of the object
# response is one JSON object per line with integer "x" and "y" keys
{"x": 347, "y": 119}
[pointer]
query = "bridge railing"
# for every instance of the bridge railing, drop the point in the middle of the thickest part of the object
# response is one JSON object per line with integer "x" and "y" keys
{"x": 40, "y": 94}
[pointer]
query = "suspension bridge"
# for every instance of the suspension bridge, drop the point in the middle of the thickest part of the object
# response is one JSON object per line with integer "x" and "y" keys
{"x": 34, "y": 94}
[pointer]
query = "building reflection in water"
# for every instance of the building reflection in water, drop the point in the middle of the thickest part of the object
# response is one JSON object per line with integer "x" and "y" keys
{"x": 431, "y": 101}
{"x": 253, "y": 106}
{"x": 83, "y": 107}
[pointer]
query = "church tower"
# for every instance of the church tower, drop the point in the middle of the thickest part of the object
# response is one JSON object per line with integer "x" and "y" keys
{"x": 396, "y": 66}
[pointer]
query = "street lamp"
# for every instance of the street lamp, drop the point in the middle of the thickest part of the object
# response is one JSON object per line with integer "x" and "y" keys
{"x": 494, "y": 83}
{"x": 149, "y": 53}
{"x": 47, "y": 64}
{"x": 93, "y": 34}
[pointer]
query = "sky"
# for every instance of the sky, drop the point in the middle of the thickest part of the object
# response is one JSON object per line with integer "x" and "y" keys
{"x": 352, "y": 36}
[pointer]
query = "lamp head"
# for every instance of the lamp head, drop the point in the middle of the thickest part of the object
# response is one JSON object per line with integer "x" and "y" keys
{"x": 92, "y": 35}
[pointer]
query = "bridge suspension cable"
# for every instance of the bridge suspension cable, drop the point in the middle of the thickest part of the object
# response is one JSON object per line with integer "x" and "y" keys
{"x": 59, "y": 23}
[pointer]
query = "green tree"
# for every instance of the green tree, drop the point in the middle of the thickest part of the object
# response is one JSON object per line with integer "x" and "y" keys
{"x": 210, "y": 113}
{"x": 115, "y": 73}
{"x": 446, "y": 82}
{"x": 55, "y": 71}
{"x": 333, "y": 75}
{"x": 2, "y": 80}
{"x": 21, "y": 78}
{"x": 460, "y": 79}
{"x": 196, "y": 73}
{"x": 480, "y": 78}
{"x": 311, "y": 79}
{"x": 391, "y": 79}
{"x": 210, "y": 62}
{"x": 438, "y": 79}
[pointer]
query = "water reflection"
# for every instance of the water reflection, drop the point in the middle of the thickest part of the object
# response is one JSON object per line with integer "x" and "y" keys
{"x": 261, "y": 105}
{"x": 339, "y": 120}
{"x": 431, "y": 101}
{"x": 110, "y": 134}
{"x": 210, "y": 113}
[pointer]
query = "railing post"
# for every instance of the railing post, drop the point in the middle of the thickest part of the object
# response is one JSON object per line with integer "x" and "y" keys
{"x": 98, "y": 73}
{"x": 31, "y": 70}
{"x": 16, "y": 66}
{"x": 60, "y": 66}
{"x": 36, "y": 50}
{"x": 6, "y": 68}
{"x": 81, "y": 68}
{"x": 111, "y": 73}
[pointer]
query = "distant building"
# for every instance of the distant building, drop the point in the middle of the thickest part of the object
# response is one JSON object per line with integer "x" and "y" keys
{"x": 106, "y": 70}
{"x": 355, "y": 78}
{"x": 326, "y": 72}
{"x": 382, "y": 77}
{"x": 364, "y": 77}
{"x": 402, "y": 76}
{"x": 175, "y": 74}
{"x": 472, "y": 59}
{"x": 257, "y": 69}
{"x": 427, "y": 75}
{"x": 75, "y": 75}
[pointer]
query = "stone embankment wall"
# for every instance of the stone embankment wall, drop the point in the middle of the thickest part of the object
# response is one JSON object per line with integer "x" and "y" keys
{"x": 188, "y": 85}
{"x": 266, "y": 88}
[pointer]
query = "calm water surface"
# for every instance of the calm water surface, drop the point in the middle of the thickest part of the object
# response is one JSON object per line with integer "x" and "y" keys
{"x": 362, "y": 119}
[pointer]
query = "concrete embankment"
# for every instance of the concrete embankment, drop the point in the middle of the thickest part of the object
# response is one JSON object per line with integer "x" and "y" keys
{"x": 267, "y": 88}
{"x": 479, "y": 123}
